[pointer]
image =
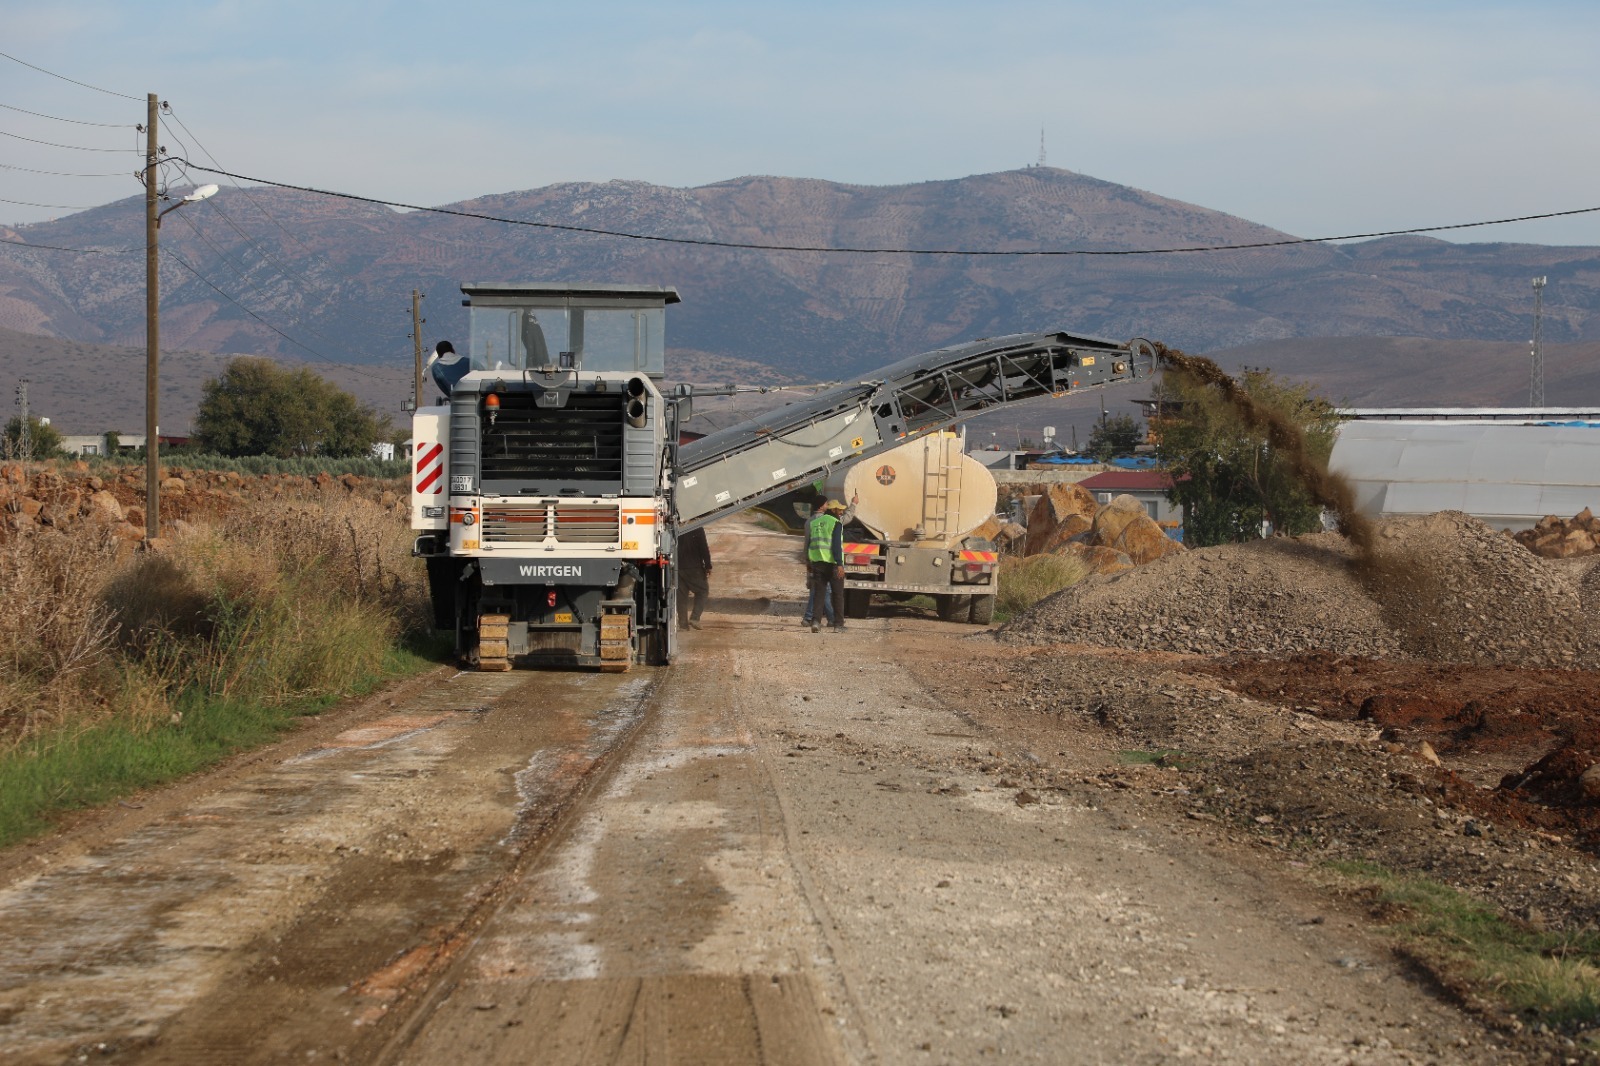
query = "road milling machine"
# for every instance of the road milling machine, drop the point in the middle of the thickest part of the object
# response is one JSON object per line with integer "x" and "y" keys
{"x": 549, "y": 486}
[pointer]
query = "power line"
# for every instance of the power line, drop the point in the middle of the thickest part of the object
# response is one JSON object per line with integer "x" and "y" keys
{"x": 704, "y": 242}
{"x": 308, "y": 286}
{"x": 63, "y": 77}
{"x": 67, "y": 174}
{"x": 242, "y": 272}
{"x": 74, "y": 121}
{"x": 243, "y": 189}
{"x": 220, "y": 292}
{"x": 58, "y": 248}
{"x": 63, "y": 207}
{"x": 74, "y": 147}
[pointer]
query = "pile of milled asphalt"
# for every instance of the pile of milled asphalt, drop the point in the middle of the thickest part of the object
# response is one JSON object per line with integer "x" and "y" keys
{"x": 1443, "y": 587}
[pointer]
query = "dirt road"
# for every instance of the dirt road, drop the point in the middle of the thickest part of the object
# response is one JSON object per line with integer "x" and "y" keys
{"x": 787, "y": 848}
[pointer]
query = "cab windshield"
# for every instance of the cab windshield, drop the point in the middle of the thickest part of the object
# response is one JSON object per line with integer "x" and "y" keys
{"x": 629, "y": 339}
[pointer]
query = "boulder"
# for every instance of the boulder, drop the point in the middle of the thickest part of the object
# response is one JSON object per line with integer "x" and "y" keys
{"x": 1589, "y": 781}
{"x": 13, "y": 474}
{"x": 1578, "y": 542}
{"x": 1144, "y": 542}
{"x": 1055, "y": 509}
{"x": 1115, "y": 517}
{"x": 101, "y": 506}
{"x": 174, "y": 485}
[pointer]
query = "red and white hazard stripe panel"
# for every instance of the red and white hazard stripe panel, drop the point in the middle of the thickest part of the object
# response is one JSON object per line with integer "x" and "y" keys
{"x": 430, "y": 470}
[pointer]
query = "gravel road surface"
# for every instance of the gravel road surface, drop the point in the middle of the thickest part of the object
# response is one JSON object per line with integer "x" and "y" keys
{"x": 786, "y": 848}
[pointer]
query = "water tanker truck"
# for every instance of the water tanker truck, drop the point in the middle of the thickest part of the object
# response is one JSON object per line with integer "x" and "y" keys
{"x": 916, "y": 507}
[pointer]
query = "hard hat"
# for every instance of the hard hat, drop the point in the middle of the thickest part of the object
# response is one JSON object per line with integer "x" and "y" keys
{"x": 834, "y": 505}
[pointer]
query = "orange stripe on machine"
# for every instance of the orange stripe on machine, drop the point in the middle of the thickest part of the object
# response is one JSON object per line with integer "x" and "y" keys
{"x": 980, "y": 557}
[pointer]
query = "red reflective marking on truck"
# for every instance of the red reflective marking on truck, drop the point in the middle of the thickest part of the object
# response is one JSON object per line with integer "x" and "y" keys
{"x": 431, "y": 457}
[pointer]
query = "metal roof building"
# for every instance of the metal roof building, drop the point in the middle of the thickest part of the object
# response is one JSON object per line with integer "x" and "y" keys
{"x": 1508, "y": 475}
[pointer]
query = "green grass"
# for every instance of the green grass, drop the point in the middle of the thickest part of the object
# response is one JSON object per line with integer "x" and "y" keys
{"x": 260, "y": 464}
{"x": 55, "y": 773}
{"x": 148, "y": 667}
{"x": 1548, "y": 977}
{"x": 1024, "y": 581}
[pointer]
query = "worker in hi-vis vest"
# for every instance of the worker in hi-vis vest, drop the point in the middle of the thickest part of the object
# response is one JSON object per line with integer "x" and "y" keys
{"x": 825, "y": 561}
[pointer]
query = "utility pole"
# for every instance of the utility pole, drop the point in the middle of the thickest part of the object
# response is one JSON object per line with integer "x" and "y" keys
{"x": 24, "y": 426}
{"x": 416, "y": 344}
{"x": 152, "y": 329}
{"x": 1536, "y": 382}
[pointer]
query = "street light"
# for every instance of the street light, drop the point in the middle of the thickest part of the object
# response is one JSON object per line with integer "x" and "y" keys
{"x": 152, "y": 319}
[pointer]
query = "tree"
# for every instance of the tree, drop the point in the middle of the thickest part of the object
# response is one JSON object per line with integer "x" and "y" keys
{"x": 1231, "y": 480}
{"x": 260, "y": 408}
{"x": 1118, "y": 435}
{"x": 44, "y": 440}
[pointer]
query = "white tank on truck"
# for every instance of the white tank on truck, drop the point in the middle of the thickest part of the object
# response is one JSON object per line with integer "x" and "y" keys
{"x": 916, "y": 507}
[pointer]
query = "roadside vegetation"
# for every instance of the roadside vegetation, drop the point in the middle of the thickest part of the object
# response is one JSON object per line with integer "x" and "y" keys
{"x": 1234, "y": 480}
{"x": 192, "y": 458}
{"x": 133, "y": 668}
{"x": 1548, "y": 978}
{"x": 1025, "y": 580}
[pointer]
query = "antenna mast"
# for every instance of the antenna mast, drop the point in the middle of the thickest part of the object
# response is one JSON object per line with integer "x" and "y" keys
{"x": 1041, "y": 146}
{"x": 1536, "y": 383}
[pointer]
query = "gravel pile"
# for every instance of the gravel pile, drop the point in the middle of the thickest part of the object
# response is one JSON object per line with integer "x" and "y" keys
{"x": 1442, "y": 587}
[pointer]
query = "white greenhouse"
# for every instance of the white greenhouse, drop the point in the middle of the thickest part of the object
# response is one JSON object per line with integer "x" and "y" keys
{"x": 1508, "y": 475}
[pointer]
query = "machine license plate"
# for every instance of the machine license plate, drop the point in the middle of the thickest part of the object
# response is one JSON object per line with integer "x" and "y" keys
{"x": 564, "y": 616}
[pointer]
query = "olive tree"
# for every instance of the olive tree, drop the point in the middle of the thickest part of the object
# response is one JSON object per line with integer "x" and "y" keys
{"x": 260, "y": 408}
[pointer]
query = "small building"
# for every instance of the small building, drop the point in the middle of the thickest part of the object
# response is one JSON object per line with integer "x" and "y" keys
{"x": 83, "y": 444}
{"x": 1149, "y": 487}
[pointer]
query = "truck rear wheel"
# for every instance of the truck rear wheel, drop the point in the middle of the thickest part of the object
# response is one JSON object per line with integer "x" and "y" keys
{"x": 981, "y": 613}
{"x": 950, "y": 607}
{"x": 857, "y": 603}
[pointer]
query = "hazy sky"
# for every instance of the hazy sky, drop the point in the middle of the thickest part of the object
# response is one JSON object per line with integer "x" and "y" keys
{"x": 1315, "y": 118}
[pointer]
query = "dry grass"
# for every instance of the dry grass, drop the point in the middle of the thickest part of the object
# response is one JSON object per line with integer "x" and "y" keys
{"x": 58, "y": 647}
{"x": 279, "y": 602}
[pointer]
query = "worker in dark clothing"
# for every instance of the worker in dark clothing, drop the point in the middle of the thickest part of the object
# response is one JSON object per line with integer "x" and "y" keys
{"x": 825, "y": 561}
{"x": 694, "y": 580}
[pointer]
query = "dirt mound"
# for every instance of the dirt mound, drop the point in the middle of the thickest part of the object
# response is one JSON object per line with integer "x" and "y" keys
{"x": 1273, "y": 597}
{"x": 1457, "y": 591}
{"x": 1442, "y": 587}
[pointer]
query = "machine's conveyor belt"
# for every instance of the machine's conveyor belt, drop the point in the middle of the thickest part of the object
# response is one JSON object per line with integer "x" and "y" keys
{"x": 763, "y": 457}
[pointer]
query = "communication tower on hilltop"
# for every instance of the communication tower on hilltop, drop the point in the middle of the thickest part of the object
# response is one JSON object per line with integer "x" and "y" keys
{"x": 1536, "y": 382}
{"x": 1041, "y": 146}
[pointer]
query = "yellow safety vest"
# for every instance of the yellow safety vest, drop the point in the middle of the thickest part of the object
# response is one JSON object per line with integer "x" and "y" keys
{"x": 819, "y": 543}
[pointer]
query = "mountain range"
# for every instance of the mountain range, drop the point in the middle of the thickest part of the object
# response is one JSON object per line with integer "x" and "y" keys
{"x": 266, "y": 270}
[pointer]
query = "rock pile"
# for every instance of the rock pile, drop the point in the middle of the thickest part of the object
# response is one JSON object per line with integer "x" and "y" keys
{"x": 110, "y": 499}
{"x": 1443, "y": 587}
{"x": 1557, "y": 538}
{"x": 1112, "y": 538}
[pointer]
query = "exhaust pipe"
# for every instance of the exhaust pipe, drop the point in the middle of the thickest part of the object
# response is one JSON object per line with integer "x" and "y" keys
{"x": 638, "y": 402}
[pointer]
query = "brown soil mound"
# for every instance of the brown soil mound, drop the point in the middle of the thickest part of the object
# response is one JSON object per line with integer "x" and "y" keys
{"x": 1442, "y": 587}
{"x": 1537, "y": 725}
